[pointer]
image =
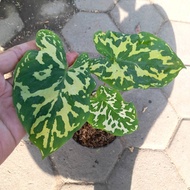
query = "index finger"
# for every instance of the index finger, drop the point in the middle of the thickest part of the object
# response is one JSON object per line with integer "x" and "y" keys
{"x": 12, "y": 56}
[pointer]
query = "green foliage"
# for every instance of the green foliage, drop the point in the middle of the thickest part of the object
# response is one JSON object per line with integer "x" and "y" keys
{"x": 134, "y": 61}
{"x": 53, "y": 100}
{"x": 109, "y": 112}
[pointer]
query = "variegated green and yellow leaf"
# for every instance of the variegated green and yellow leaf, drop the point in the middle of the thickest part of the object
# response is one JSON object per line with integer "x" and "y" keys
{"x": 52, "y": 100}
{"x": 109, "y": 112}
{"x": 134, "y": 61}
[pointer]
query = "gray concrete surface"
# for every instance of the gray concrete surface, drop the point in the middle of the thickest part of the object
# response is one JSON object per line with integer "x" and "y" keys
{"x": 157, "y": 156}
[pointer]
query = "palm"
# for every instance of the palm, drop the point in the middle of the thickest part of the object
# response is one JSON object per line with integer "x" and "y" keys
{"x": 11, "y": 130}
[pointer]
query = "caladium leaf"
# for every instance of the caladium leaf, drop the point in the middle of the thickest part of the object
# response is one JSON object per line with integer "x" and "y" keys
{"x": 109, "y": 112}
{"x": 51, "y": 99}
{"x": 134, "y": 61}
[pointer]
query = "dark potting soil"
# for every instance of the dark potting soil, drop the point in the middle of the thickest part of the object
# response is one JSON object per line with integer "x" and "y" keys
{"x": 93, "y": 138}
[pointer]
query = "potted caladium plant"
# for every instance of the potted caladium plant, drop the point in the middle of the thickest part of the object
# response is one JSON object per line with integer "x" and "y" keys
{"x": 53, "y": 101}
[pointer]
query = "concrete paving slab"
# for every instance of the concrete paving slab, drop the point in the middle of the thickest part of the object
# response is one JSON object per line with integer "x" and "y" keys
{"x": 177, "y": 39}
{"x": 145, "y": 169}
{"x": 100, "y": 187}
{"x": 10, "y": 25}
{"x": 179, "y": 151}
{"x": 140, "y": 13}
{"x": 79, "y": 31}
{"x": 58, "y": 11}
{"x": 178, "y": 93}
{"x": 54, "y": 9}
{"x": 84, "y": 187}
{"x": 98, "y": 5}
{"x": 21, "y": 172}
{"x": 157, "y": 119}
{"x": 158, "y": 109}
{"x": 77, "y": 187}
{"x": 76, "y": 163}
{"x": 176, "y": 10}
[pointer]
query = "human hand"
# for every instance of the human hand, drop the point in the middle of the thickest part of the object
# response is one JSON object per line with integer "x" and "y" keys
{"x": 11, "y": 129}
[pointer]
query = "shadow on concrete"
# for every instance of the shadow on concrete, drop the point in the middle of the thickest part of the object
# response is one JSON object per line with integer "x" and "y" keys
{"x": 77, "y": 163}
{"x": 32, "y": 14}
{"x": 150, "y": 103}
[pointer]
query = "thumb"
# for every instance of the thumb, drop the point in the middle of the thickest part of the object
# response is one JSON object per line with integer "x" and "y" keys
{"x": 71, "y": 57}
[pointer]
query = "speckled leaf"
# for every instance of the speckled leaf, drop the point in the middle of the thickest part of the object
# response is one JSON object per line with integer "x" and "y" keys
{"x": 134, "y": 61}
{"x": 52, "y": 100}
{"x": 109, "y": 112}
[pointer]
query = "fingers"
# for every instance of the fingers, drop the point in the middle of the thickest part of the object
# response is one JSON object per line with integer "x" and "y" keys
{"x": 71, "y": 57}
{"x": 10, "y": 58}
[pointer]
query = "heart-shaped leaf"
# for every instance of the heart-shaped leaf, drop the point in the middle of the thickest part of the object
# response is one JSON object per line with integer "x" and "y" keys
{"x": 134, "y": 61}
{"x": 52, "y": 100}
{"x": 109, "y": 112}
